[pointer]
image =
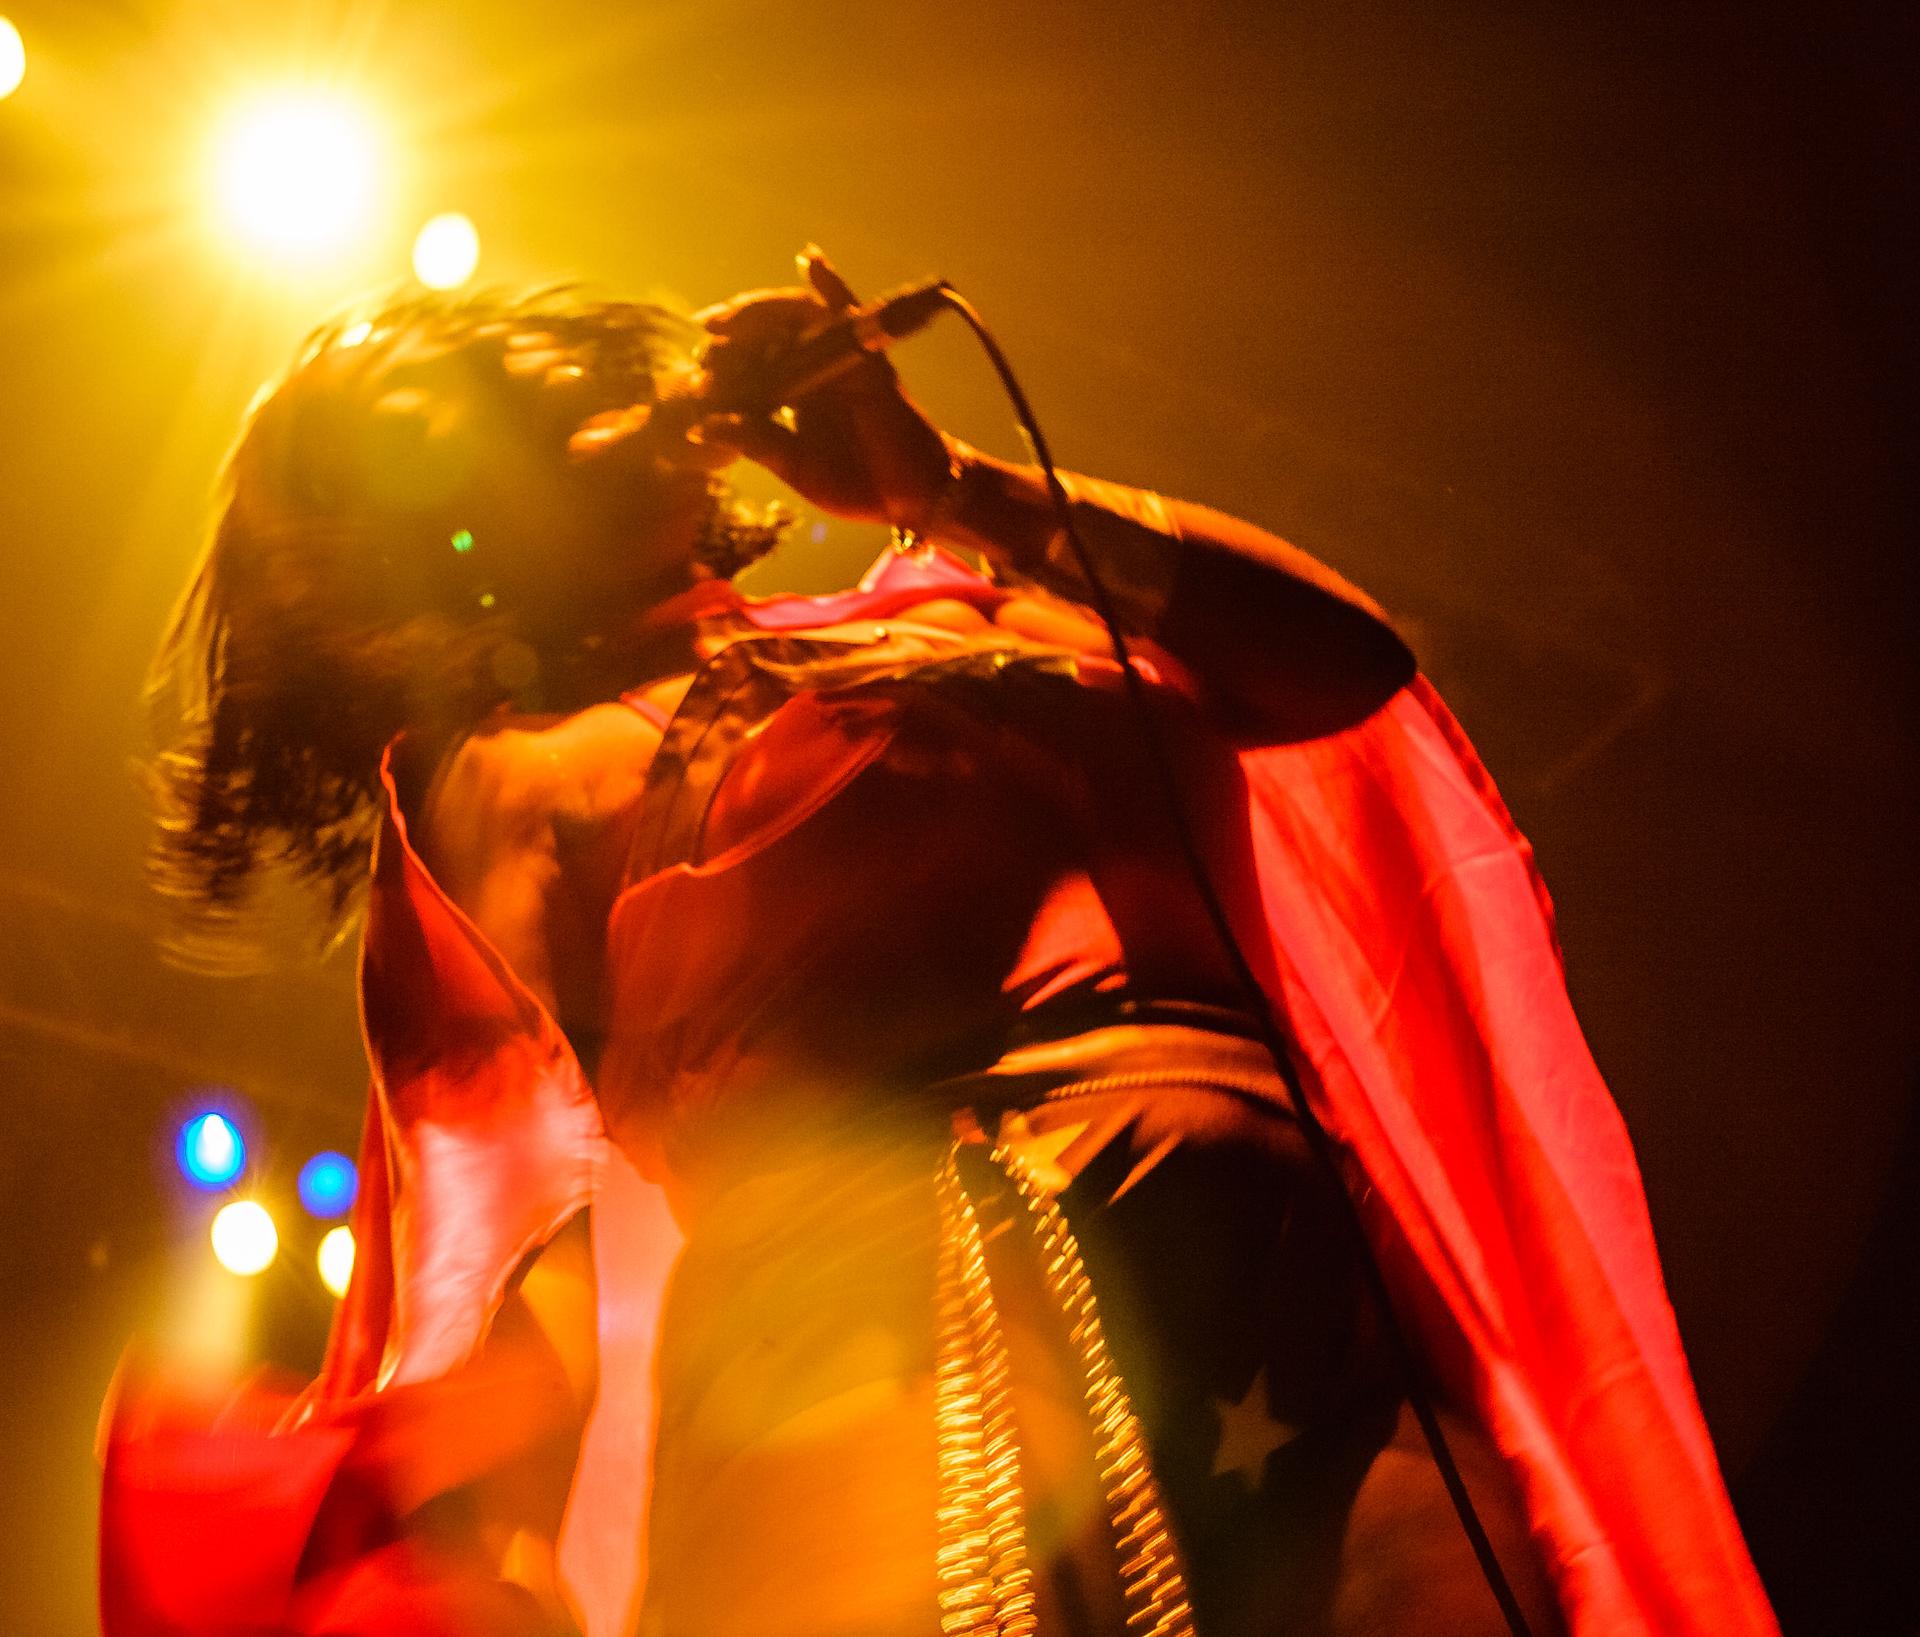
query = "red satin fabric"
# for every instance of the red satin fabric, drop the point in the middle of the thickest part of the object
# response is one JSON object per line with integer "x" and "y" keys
{"x": 273, "y": 1512}
{"x": 1398, "y": 923}
{"x": 1415, "y": 961}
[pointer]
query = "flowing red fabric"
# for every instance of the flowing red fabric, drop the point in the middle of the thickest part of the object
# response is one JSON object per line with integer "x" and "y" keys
{"x": 271, "y": 1512}
{"x": 1408, "y": 943}
{"x": 1416, "y": 967}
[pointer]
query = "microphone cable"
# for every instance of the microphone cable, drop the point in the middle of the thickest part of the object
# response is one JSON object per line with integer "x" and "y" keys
{"x": 1319, "y": 1141}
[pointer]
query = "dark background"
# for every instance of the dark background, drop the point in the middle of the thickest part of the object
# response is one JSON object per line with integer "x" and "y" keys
{"x": 1573, "y": 333}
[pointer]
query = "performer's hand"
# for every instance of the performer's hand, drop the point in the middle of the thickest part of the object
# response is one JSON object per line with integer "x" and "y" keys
{"x": 858, "y": 446}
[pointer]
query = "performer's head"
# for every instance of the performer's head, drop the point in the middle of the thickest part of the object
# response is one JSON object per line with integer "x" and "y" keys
{"x": 409, "y": 534}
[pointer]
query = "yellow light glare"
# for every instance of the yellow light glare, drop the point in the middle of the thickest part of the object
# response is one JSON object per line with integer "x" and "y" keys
{"x": 336, "y": 1259}
{"x": 446, "y": 252}
{"x": 13, "y": 58}
{"x": 295, "y": 173}
{"x": 244, "y": 1237}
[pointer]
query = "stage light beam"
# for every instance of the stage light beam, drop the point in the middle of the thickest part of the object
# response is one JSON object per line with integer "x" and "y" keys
{"x": 13, "y": 58}
{"x": 244, "y": 1238}
{"x": 335, "y": 1259}
{"x": 211, "y": 1151}
{"x": 295, "y": 173}
{"x": 446, "y": 252}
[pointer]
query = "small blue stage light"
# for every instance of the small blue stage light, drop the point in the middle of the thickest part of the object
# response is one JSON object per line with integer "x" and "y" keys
{"x": 211, "y": 1151}
{"x": 328, "y": 1183}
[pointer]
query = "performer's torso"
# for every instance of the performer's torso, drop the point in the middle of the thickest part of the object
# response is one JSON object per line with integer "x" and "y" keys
{"x": 884, "y": 884}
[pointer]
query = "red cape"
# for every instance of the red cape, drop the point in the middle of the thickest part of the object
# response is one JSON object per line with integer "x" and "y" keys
{"x": 1409, "y": 944}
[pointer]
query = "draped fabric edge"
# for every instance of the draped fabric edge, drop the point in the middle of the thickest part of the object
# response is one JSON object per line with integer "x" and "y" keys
{"x": 1408, "y": 943}
{"x": 481, "y": 1140}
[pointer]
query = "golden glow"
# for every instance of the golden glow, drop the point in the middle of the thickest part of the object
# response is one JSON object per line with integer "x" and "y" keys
{"x": 295, "y": 173}
{"x": 336, "y": 1259}
{"x": 446, "y": 252}
{"x": 13, "y": 58}
{"x": 244, "y": 1237}
{"x": 209, "y": 1324}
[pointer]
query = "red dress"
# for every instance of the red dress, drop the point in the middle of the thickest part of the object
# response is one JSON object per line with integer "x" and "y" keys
{"x": 1394, "y": 917}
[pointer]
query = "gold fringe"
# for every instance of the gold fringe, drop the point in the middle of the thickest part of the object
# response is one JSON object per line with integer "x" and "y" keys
{"x": 985, "y": 1583}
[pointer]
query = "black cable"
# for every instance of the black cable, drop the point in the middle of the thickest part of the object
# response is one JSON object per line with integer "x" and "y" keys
{"x": 1319, "y": 1142}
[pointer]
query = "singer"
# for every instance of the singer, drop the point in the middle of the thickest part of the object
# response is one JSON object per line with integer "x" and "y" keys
{"x": 821, "y": 1175}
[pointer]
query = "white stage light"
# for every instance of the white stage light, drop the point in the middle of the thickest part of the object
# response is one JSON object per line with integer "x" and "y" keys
{"x": 336, "y": 1259}
{"x": 244, "y": 1237}
{"x": 13, "y": 58}
{"x": 296, "y": 172}
{"x": 446, "y": 252}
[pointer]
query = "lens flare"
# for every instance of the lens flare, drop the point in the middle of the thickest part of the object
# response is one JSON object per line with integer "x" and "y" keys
{"x": 336, "y": 1259}
{"x": 327, "y": 1184}
{"x": 13, "y": 58}
{"x": 295, "y": 173}
{"x": 446, "y": 252}
{"x": 244, "y": 1238}
{"x": 210, "y": 1151}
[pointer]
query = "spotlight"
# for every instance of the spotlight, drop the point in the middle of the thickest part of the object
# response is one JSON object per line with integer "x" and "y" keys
{"x": 244, "y": 1237}
{"x": 327, "y": 1184}
{"x": 210, "y": 1151}
{"x": 13, "y": 58}
{"x": 446, "y": 252}
{"x": 295, "y": 172}
{"x": 336, "y": 1259}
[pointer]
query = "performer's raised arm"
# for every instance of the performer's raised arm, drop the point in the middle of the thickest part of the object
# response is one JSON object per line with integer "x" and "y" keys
{"x": 1286, "y": 647}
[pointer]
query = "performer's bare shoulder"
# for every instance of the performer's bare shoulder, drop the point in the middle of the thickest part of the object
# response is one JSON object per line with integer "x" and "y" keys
{"x": 525, "y": 828}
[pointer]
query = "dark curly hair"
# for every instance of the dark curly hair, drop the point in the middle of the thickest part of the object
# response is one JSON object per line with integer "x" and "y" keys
{"x": 327, "y": 613}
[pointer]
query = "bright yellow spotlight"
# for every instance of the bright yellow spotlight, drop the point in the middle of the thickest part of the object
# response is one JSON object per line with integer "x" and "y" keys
{"x": 336, "y": 1259}
{"x": 13, "y": 58}
{"x": 295, "y": 172}
{"x": 244, "y": 1237}
{"x": 446, "y": 252}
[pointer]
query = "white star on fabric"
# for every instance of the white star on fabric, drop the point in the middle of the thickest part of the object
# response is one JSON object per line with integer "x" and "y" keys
{"x": 1248, "y": 1434}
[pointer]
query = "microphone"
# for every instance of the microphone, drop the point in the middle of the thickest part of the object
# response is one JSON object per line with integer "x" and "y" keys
{"x": 762, "y": 385}
{"x": 830, "y": 350}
